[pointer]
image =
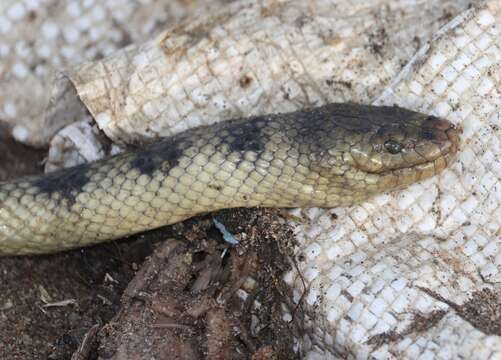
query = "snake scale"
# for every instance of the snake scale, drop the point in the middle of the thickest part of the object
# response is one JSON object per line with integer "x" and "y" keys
{"x": 335, "y": 155}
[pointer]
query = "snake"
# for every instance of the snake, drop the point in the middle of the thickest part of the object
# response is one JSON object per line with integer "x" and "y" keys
{"x": 339, "y": 154}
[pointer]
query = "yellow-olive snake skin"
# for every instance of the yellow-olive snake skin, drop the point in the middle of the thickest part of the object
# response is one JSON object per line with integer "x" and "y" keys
{"x": 335, "y": 155}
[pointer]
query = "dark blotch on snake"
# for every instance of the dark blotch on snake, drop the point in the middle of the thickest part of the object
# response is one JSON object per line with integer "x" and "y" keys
{"x": 68, "y": 183}
{"x": 165, "y": 152}
{"x": 247, "y": 136}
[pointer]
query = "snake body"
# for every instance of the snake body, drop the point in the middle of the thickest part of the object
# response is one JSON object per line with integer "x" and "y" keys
{"x": 335, "y": 155}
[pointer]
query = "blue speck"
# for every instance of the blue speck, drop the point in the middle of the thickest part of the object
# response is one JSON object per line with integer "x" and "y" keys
{"x": 227, "y": 236}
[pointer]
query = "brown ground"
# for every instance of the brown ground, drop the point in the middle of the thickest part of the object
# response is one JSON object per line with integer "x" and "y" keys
{"x": 182, "y": 303}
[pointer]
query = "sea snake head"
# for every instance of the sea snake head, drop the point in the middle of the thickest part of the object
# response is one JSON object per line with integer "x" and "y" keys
{"x": 383, "y": 148}
{"x": 405, "y": 148}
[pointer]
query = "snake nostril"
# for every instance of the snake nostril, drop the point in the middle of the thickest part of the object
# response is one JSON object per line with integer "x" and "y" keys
{"x": 427, "y": 134}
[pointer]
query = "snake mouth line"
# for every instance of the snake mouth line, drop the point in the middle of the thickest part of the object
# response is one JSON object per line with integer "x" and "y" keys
{"x": 449, "y": 150}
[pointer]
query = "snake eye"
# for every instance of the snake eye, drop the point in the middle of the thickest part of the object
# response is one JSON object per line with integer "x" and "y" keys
{"x": 393, "y": 147}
